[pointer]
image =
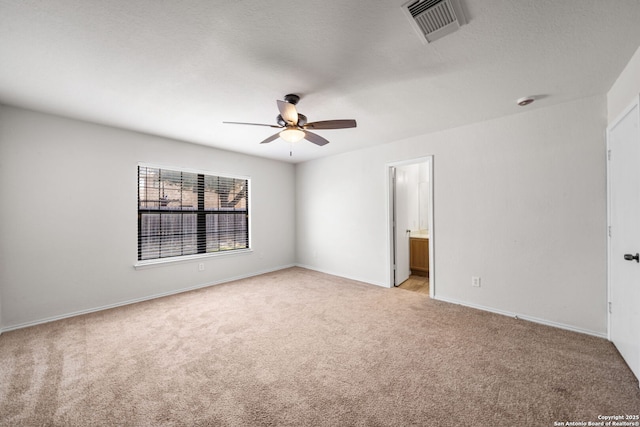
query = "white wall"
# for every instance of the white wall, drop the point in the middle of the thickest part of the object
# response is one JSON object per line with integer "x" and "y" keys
{"x": 408, "y": 177}
{"x": 68, "y": 220}
{"x": 423, "y": 196}
{"x": 519, "y": 201}
{"x": 625, "y": 88}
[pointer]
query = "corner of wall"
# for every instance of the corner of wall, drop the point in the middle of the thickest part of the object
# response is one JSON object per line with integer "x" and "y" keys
{"x": 625, "y": 88}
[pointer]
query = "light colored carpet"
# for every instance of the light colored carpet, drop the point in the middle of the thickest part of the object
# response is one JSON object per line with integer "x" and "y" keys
{"x": 300, "y": 348}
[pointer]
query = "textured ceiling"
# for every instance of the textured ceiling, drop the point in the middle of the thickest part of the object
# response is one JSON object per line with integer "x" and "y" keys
{"x": 180, "y": 68}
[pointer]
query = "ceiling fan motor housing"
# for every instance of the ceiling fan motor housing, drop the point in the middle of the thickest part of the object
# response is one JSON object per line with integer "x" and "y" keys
{"x": 292, "y": 98}
{"x": 302, "y": 120}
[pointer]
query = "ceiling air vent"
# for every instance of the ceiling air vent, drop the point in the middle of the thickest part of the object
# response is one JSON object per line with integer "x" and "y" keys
{"x": 433, "y": 19}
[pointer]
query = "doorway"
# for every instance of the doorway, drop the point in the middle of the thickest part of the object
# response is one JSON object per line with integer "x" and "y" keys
{"x": 410, "y": 209}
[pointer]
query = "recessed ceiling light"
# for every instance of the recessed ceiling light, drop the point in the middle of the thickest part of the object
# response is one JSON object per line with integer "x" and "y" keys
{"x": 525, "y": 101}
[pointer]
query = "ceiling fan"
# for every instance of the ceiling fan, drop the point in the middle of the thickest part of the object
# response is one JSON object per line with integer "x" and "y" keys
{"x": 294, "y": 125}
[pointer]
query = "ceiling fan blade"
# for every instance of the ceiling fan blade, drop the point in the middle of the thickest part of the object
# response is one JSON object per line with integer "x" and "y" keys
{"x": 271, "y": 138}
{"x": 331, "y": 124}
{"x": 251, "y": 124}
{"x": 288, "y": 112}
{"x": 315, "y": 138}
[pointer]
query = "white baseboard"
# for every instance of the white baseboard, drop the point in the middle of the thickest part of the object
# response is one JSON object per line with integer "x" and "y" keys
{"x": 141, "y": 299}
{"x": 308, "y": 267}
{"x": 524, "y": 317}
{"x": 357, "y": 279}
{"x": 478, "y": 307}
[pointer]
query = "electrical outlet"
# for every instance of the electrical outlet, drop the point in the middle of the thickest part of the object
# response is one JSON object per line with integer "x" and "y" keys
{"x": 475, "y": 281}
{"x": 201, "y": 266}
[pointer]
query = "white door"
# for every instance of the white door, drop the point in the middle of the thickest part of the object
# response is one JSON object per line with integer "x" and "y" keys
{"x": 624, "y": 242}
{"x": 402, "y": 193}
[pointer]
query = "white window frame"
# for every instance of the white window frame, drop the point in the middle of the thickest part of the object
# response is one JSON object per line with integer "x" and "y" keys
{"x": 198, "y": 256}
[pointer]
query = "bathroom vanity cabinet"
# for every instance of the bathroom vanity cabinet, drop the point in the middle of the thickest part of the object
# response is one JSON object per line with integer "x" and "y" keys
{"x": 419, "y": 256}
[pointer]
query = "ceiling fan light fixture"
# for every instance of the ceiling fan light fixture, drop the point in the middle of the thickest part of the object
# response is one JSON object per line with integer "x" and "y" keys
{"x": 292, "y": 135}
{"x": 293, "y": 125}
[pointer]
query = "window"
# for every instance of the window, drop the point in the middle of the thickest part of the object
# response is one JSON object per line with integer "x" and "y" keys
{"x": 184, "y": 213}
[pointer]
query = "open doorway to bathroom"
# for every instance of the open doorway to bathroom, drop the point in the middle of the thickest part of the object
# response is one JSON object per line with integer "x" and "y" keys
{"x": 411, "y": 232}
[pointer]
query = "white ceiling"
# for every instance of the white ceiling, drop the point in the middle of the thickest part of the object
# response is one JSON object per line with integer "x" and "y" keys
{"x": 180, "y": 68}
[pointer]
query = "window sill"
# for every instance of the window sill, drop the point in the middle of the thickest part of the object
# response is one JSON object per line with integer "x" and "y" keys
{"x": 187, "y": 258}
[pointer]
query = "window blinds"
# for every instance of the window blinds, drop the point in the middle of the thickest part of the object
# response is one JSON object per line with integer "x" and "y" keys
{"x": 186, "y": 213}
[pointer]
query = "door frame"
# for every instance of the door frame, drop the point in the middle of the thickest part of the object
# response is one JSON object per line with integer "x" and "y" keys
{"x": 389, "y": 168}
